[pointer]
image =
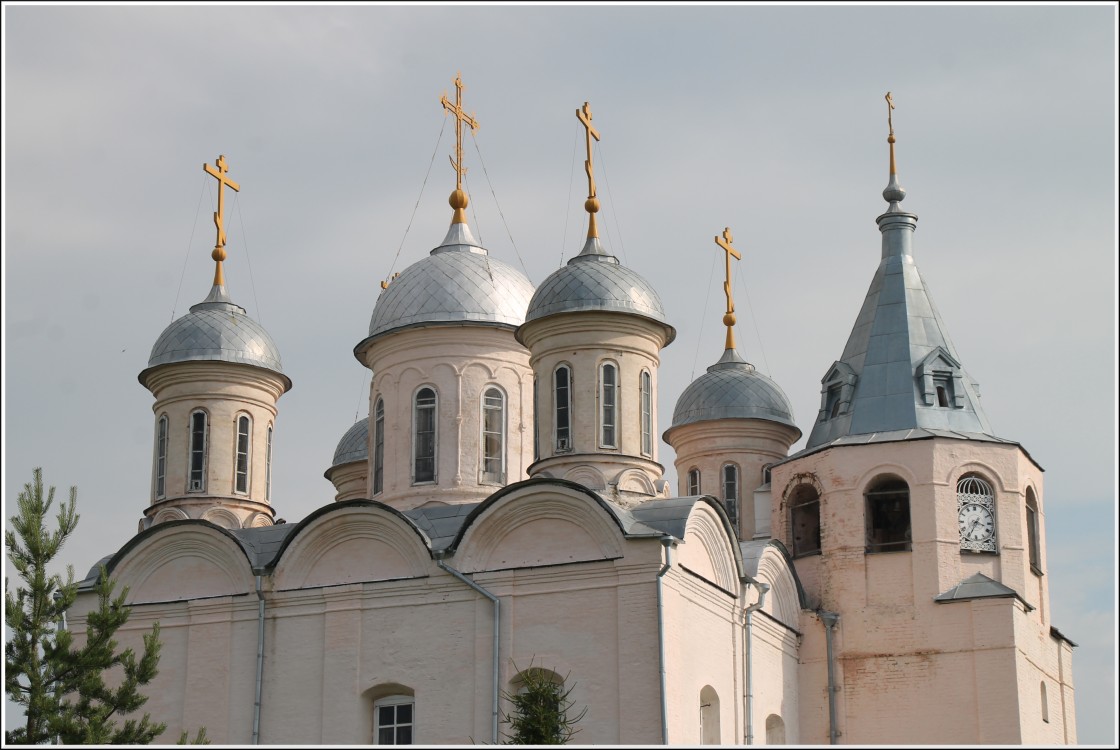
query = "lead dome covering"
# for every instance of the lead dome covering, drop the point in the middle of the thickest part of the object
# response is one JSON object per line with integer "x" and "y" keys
{"x": 732, "y": 389}
{"x": 354, "y": 445}
{"x": 457, "y": 283}
{"x": 216, "y": 329}
{"x": 594, "y": 280}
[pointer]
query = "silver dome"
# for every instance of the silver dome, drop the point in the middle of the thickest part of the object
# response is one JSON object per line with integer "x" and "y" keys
{"x": 216, "y": 329}
{"x": 354, "y": 445}
{"x": 458, "y": 282}
{"x": 732, "y": 389}
{"x": 594, "y": 280}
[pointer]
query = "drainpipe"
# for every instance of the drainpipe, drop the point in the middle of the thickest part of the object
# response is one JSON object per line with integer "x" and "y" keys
{"x": 497, "y": 638}
{"x": 260, "y": 664}
{"x": 763, "y": 588}
{"x": 667, "y": 543}
{"x": 830, "y": 619}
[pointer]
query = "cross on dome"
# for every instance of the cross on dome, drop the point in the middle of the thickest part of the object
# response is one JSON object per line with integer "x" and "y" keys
{"x": 729, "y": 252}
{"x": 592, "y": 203}
{"x": 458, "y": 198}
{"x": 219, "y": 173}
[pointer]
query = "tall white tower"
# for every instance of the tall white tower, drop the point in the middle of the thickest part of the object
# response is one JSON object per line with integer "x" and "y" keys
{"x": 451, "y": 395}
{"x": 595, "y": 330}
{"x": 216, "y": 377}
{"x": 729, "y": 427}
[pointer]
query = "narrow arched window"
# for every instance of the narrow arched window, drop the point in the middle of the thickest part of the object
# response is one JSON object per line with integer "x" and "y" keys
{"x": 536, "y": 421}
{"x": 1045, "y": 703}
{"x": 888, "y": 515}
{"x": 709, "y": 716}
{"x": 731, "y": 491}
{"x": 268, "y": 466}
{"x": 197, "y": 475}
{"x": 693, "y": 481}
{"x": 241, "y": 473}
{"x": 766, "y": 473}
{"x": 1032, "y": 533}
{"x": 378, "y": 446}
{"x": 161, "y": 457}
{"x": 775, "y": 730}
{"x": 646, "y": 389}
{"x": 976, "y": 514}
{"x": 394, "y": 720}
{"x": 493, "y": 436}
{"x": 805, "y": 520}
{"x": 562, "y": 380}
{"x": 424, "y": 436}
{"x": 608, "y": 403}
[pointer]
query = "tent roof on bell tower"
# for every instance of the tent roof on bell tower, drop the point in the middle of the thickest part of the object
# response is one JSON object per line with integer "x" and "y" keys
{"x": 899, "y": 373}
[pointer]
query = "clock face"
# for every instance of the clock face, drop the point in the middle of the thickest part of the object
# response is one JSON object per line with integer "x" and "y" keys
{"x": 976, "y": 523}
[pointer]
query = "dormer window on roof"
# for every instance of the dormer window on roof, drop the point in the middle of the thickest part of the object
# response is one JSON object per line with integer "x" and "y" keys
{"x": 837, "y": 387}
{"x": 940, "y": 380}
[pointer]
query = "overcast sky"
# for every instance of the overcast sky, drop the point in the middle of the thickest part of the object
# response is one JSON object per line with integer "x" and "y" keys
{"x": 769, "y": 120}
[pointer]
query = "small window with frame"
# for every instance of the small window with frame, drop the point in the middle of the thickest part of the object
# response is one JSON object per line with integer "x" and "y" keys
{"x": 394, "y": 720}
{"x": 199, "y": 437}
{"x": 1034, "y": 557}
{"x": 693, "y": 481}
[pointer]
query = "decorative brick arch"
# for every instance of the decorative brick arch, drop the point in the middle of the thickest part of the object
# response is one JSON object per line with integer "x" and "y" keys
{"x": 352, "y": 543}
{"x": 708, "y": 549}
{"x": 546, "y": 524}
{"x": 182, "y": 560}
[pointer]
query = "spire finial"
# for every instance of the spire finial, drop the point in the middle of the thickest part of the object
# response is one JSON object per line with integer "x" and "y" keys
{"x": 219, "y": 253}
{"x": 890, "y": 126}
{"x": 592, "y": 202}
{"x": 729, "y": 316}
{"x": 894, "y": 192}
{"x": 458, "y": 199}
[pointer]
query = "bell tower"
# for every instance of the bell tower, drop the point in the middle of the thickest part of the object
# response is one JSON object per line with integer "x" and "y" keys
{"x": 917, "y": 534}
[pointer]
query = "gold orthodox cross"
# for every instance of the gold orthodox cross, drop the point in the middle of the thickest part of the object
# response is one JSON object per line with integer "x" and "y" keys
{"x": 592, "y": 203}
{"x": 460, "y": 117}
{"x": 219, "y": 253}
{"x": 890, "y": 125}
{"x": 730, "y": 252}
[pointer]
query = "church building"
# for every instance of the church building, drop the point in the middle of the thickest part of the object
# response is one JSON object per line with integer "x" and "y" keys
{"x": 503, "y": 507}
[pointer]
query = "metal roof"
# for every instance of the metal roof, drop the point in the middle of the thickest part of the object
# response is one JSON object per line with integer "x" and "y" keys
{"x": 733, "y": 389}
{"x": 441, "y": 522}
{"x": 897, "y": 341}
{"x": 979, "y": 586}
{"x": 354, "y": 445}
{"x": 261, "y": 543}
{"x": 458, "y": 282}
{"x": 594, "y": 280}
{"x": 216, "y": 329}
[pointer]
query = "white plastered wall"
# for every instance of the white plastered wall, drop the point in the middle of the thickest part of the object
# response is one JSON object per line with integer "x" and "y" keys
{"x": 459, "y": 362}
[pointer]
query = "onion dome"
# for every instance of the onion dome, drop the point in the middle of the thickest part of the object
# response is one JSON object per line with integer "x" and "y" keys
{"x": 732, "y": 389}
{"x": 216, "y": 329}
{"x": 354, "y": 445}
{"x": 457, "y": 283}
{"x": 595, "y": 280}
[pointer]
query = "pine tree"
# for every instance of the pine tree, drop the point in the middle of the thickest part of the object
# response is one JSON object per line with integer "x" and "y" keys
{"x": 539, "y": 714}
{"x": 62, "y": 688}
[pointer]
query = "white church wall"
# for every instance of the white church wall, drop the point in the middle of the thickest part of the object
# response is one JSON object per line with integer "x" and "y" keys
{"x": 224, "y": 392}
{"x": 459, "y": 368}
